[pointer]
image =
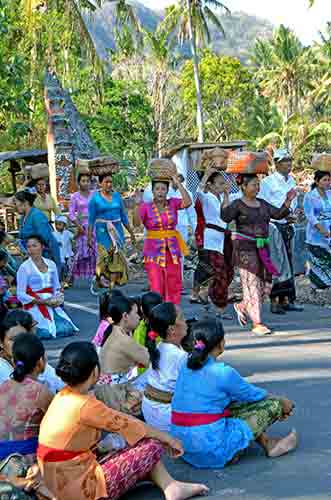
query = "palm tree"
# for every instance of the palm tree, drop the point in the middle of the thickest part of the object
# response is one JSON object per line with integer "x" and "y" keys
{"x": 191, "y": 20}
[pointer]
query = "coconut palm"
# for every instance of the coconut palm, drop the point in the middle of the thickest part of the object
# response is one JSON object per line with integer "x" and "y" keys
{"x": 191, "y": 20}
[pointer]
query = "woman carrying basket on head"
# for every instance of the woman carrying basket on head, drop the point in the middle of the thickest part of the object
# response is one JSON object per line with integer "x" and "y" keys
{"x": 164, "y": 247}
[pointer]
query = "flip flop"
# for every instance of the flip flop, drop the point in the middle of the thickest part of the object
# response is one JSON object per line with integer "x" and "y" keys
{"x": 240, "y": 315}
{"x": 199, "y": 300}
{"x": 261, "y": 330}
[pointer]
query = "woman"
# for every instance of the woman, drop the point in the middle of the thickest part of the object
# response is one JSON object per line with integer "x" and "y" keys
{"x": 39, "y": 290}
{"x": 167, "y": 357}
{"x": 216, "y": 413}
{"x": 120, "y": 356}
{"x": 45, "y": 201}
{"x": 250, "y": 247}
{"x": 317, "y": 207}
{"x": 34, "y": 222}
{"x": 23, "y": 399}
{"x": 106, "y": 213}
{"x": 74, "y": 422}
{"x": 15, "y": 322}
{"x": 215, "y": 263}
{"x": 85, "y": 255}
{"x": 164, "y": 247}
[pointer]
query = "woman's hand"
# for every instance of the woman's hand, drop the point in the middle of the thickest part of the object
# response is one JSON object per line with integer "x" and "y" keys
{"x": 288, "y": 407}
{"x": 176, "y": 182}
{"x": 80, "y": 230}
{"x": 138, "y": 196}
{"x": 173, "y": 446}
{"x": 325, "y": 233}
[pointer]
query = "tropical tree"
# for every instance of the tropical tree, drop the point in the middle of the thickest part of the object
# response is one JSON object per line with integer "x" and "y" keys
{"x": 190, "y": 20}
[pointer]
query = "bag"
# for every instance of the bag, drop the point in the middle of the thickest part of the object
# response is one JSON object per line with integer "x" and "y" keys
{"x": 121, "y": 397}
{"x": 248, "y": 162}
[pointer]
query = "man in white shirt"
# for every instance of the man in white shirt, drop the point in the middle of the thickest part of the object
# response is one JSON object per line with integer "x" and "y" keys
{"x": 187, "y": 218}
{"x": 274, "y": 189}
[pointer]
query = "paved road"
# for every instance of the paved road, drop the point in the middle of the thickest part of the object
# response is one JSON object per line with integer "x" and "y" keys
{"x": 295, "y": 361}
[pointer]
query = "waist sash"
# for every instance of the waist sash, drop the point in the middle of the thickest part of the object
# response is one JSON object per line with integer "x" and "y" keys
{"x": 47, "y": 454}
{"x": 215, "y": 228}
{"x": 195, "y": 419}
{"x": 42, "y": 307}
{"x": 157, "y": 395}
{"x": 262, "y": 245}
{"x": 111, "y": 229}
{"x": 22, "y": 446}
{"x": 162, "y": 234}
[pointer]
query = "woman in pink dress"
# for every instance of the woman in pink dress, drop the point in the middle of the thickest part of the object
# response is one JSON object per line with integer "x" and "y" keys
{"x": 85, "y": 255}
{"x": 163, "y": 245}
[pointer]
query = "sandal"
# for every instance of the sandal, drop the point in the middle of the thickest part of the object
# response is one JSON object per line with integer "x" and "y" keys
{"x": 261, "y": 330}
{"x": 240, "y": 315}
{"x": 199, "y": 300}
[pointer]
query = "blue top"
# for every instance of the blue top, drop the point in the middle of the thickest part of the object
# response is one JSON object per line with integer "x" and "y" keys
{"x": 211, "y": 390}
{"x": 318, "y": 211}
{"x": 37, "y": 224}
{"x": 101, "y": 208}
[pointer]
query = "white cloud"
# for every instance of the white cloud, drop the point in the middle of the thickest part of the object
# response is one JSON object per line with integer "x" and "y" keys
{"x": 293, "y": 13}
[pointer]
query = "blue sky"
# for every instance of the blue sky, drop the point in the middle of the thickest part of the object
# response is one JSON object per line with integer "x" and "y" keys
{"x": 293, "y": 13}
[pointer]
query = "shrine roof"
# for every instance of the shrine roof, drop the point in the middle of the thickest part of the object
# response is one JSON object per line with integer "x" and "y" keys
{"x": 28, "y": 155}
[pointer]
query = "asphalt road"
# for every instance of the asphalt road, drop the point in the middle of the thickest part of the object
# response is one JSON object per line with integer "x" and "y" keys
{"x": 295, "y": 362}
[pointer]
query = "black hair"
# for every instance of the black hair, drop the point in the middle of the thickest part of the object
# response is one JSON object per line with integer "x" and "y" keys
{"x": 103, "y": 176}
{"x": 166, "y": 183}
{"x": 27, "y": 351}
{"x": 319, "y": 174}
{"x": 16, "y": 317}
{"x": 3, "y": 254}
{"x": 207, "y": 333}
{"x": 36, "y": 237}
{"x": 148, "y": 301}
{"x": 26, "y": 196}
{"x": 84, "y": 175}
{"x": 3, "y": 236}
{"x": 118, "y": 305}
{"x": 244, "y": 179}
{"x": 213, "y": 177}
{"x": 77, "y": 362}
{"x": 161, "y": 317}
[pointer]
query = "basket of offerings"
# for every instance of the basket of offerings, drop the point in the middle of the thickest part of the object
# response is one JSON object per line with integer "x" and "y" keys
{"x": 322, "y": 162}
{"x": 162, "y": 169}
{"x": 102, "y": 165}
{"x": 37, "y": 171}
{"x": 248, "y": 162}
{"x": 214, "y": 158}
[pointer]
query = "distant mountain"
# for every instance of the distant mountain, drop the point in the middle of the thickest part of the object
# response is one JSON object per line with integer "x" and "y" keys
{"x": 242, "y": 30}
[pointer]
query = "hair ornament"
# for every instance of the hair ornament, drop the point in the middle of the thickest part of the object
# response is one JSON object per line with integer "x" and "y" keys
{"x": 19, "y": 363}
{"x": 199, "y": 345}
{"x": 152, "y": 335}
{"x": 31, "y": 190}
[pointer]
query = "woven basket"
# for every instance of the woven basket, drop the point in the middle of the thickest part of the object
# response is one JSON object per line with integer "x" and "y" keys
{"x": 37, "y": 171}
{"x": 213, "y": 158}
{"x": 247, "y": 162}
{"x": 162, "y": 169}
{"x": 322, "y": 162}
{"x": 102, "y": 165}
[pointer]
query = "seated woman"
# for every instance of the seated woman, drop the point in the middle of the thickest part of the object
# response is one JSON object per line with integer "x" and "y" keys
{"x": 167, "y": 358}
{"x": 39, "y": 290}
{"x": 23, "y": 399}
{"x": 216, "y": 413}
{"x": 74, "y": 422}
{"x": 119, "y": 356}
{"x": 16, "y": 322}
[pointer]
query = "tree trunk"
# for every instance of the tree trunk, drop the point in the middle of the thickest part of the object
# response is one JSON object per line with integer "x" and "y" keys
{"x": 200, "y": 123}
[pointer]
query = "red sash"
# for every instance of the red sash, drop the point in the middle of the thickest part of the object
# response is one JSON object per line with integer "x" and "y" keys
{"x": 47, "y": 454}
{"x": 194, "y": 419}
{"x": 42, "y": 308}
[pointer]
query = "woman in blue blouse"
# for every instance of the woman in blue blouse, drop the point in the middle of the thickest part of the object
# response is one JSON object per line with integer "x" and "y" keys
{"x": 35, "y": 223}
{"x": 217, "y": 414}
{"x": 106, "y": 212}
{"x": 317, "y": 207}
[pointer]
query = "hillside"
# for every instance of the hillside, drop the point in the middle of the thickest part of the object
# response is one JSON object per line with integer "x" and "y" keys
{"x": 241, "y": 30}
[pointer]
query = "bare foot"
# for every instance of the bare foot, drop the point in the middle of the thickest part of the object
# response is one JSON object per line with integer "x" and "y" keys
{"x": 181, "y": 491}
{"x": 283, "y": 446}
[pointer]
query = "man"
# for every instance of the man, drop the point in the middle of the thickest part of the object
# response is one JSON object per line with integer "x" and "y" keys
{"x": 187, "y": 218}
{"x": 274, "y": 189}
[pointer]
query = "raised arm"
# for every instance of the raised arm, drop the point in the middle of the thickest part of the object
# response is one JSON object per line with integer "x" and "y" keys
{"x": 186, "y": 198}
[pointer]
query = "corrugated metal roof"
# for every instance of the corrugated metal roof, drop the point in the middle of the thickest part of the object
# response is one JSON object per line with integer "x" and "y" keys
{"x": 33, "y": 155}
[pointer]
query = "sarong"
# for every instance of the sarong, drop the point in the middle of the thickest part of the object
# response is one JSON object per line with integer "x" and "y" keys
{"x": 320, "y": 266}
{"x": 258, "y": 416}
{"x": 281, "y": 248}
{"x": 167, "y": 281}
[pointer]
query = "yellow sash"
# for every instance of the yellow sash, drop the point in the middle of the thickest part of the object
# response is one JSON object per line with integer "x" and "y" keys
{"x": 163, "y": 234}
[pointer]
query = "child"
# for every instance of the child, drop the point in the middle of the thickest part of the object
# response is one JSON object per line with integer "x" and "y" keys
{"x": 64, "y": 239}
{"x": 167, "y": 357}
{"x": 148, "y": 301}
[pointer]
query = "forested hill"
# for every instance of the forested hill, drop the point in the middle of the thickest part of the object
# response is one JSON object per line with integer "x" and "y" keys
{"x": 241, "y": 29}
